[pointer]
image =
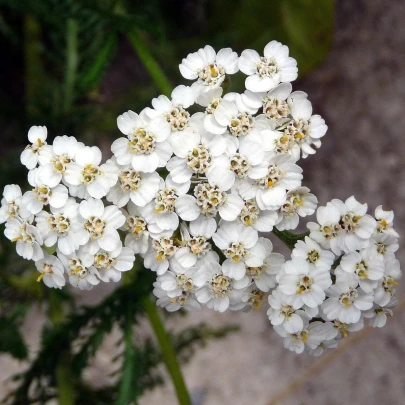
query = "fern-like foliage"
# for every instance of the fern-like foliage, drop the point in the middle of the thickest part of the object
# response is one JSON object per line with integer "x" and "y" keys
{"x": 68, "y": 46}
{"x": 81, "y": 335}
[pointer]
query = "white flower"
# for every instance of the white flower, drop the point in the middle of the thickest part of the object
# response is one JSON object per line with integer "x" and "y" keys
{"x": 313, "y": 253}
{"x": 367, "y": 266}
{"x": 270, "y": 185}
{"x": 264, "y": 276}
{"x": 110, "y": 264}
{"x": 346, "y": 302}
{"x": 174, "y": 110}
{"x": 63, "y": 227}
{"x": 325, "y": 232}
{"x": 291, "y": 133}
{"x": 325, "y": 344}
{"x": 305, "y": 129}
{"x": 146, "y": 147}
{"x": 41, "y": 194}
{"x": 51, "y": 269}
{"x": 195, "y": 249}
{"x": 225, "y": 171}
{"x": 251, "y": 298}
{"x": 161, "y": 210}
{"x": 343, "y": 329}
{"x": 266, "y": 72}
{"x": 280, "y": 143}
{"x": 283, "y": 311}
{"x": 386, "y": 287}
{"x": 261, "y": 220}
{"x": 86, "y": 177}
{"x": 208, "y": 201}
{"x": 78, "y": 266}
{"x": 217, "y": 290}
{"x": 194, "y": 155}
{"x": 320, "y": 330}
{"x": 210, "y": 100}
{"x": 304, "y": 281}
{"x": 27, "y": 236}
{"x": 54, "y": 159}
{"x": 275, "y": 104}
{"x": 161, "y": 250}
{"x": 176, "y": 282}
{"x": 378, "y": 315}
{"x": 294, "y": 341}
{"x": 384, "y": 242}
{"x": 385, "y": 222}
{"x": 314, "y": 334}
{"x": 247, "y": 102}
{"x": 101, "y": 223}
{"x": 172, "y": 304}
{"x": 176, "y": 291}
{"x": 209, "y": 67}
{"x": 356, "y": 226}
{"x": 300, "y": 203}
{"x": 239, "y": 244}
{"x": 37, "y": 136}
{"x": 238, "y": 123}
{"x": 11, "y": 204}
{"x": 136, "y": 227}
{"x": 139, "y": 187}
{"x": 179, "y": 290}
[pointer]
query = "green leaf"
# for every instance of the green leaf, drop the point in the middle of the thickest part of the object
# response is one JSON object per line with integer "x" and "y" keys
{"x": 26, "y": 283}
{"x": 305, "y": 26}
{"x": 11, "y": 340}
{"x": 91, "y": 75}
{"x": 308, "y": 25}
{"x": 143, "y": 50}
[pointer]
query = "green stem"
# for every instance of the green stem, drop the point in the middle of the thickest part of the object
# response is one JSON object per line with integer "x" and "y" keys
{"x": 127, "y": 374}
{"x": 337, "y": 262}
{"x": 143, "y": 51}
{"x": 290, "y": 239}
{"x": 64, "y": 378}
{"x": 66, "y": 393}
{"x": 168, "y": 352}
{"x": 72, "y": 29}
{"x": 56, "y": 311}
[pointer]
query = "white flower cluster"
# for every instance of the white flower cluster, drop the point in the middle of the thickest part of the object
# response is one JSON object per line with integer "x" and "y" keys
{"x": 194, "y": 195}
{"x": 63, "y": 213}
{"x": 343, "y": 272}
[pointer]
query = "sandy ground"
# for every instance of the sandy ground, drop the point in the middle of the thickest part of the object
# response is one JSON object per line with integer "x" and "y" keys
{"x": 360, "y": 91}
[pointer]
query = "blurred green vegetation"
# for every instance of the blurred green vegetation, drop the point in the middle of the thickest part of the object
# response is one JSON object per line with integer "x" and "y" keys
{"x": 74, "y": 66}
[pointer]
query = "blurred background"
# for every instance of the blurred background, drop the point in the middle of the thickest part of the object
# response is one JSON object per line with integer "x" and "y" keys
{"x": 74, "y": 66}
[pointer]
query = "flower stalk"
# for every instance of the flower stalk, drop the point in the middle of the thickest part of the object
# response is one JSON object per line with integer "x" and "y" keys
{"x": 168, "y": 352}
{"x": 66, "y": 394}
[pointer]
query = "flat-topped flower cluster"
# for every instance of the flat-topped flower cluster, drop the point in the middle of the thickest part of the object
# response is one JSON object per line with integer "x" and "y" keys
{"x": 195, "y": 195}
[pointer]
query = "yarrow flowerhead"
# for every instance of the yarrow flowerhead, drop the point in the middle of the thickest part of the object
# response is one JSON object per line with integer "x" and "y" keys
{"x": 191, "y": 190}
